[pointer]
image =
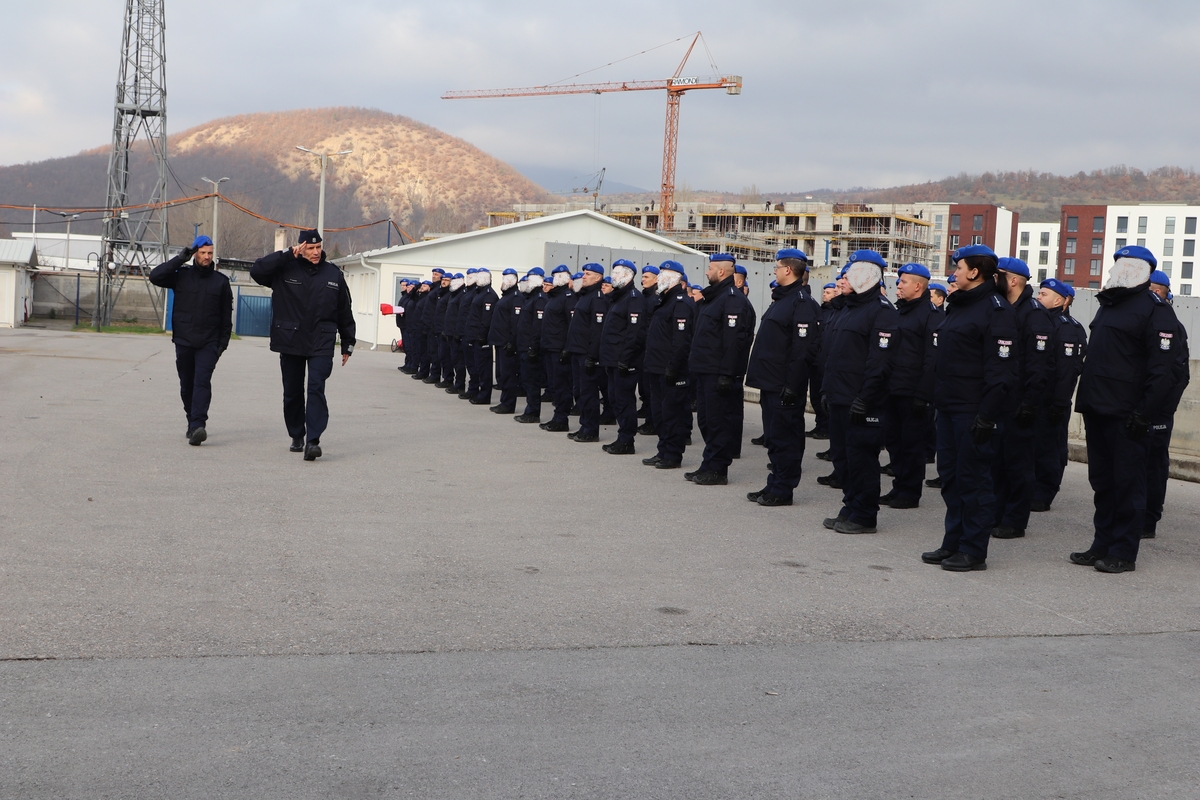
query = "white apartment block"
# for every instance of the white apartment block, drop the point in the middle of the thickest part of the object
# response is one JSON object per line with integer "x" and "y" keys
{"x": 1169, "y": 231}
{"x": 1037, "y": 246}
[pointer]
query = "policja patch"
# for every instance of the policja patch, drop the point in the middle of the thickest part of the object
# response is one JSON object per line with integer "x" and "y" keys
{"x": 1005, "y": 347}
{"x": 1164, "y": 340}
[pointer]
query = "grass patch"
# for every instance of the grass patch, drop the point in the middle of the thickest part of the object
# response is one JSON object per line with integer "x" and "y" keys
{"x": 120, "y": 328}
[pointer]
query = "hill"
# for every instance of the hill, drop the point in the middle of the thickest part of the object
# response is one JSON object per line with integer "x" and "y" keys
{"x": 425, "y": 179}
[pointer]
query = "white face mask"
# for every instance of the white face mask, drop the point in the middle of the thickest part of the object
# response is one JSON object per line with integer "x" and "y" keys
{"x": 483, "y": 279}
{"x": 864, "y": 276}
{"x": 535, "y": 283}
{"x": 577, "y": 284}
{"x": 1128, "y": 272}
{"x": 523, "y": 286}
{"x": 469, "y": 280}
{"x": 562, "y": 278}
{"x": 621, "y": 276}
{"x": 456, "y": 284}
{"x": 667, "y": 279}
{"x": 507, "y": 282}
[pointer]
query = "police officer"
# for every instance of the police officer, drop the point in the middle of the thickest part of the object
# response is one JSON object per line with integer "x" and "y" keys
{"x": 739, "y": 396}
{"x": 649, "y": 303}
{"x": 622, "y": 346}
{"x": 310, "y": 303}
{"x": 556, "y": 320}
{"x": 861, "y": 340}
{"x": 720, "y": 350}
{"x": 456, "y": 319}
{"x": 937, "y": 294}
{"x": 784, "y": 351}
{"x": 836, "y": 305}
{"x": 431, "y": 322}
{"x": 502, "y": 334}
{"x": 1127, "y": 382}
{"x": 201, "y": 323}
{"x": 1158, "y": 439}
{"x": 820, "y": 429}
{"x": 911, "y": 388}
{"x": 977, "y": 348}
{"x": 529, "y": 346}
{"x": 451, "y": 284}
{"x": 399, "y": 310}
{"x": 463, "y": 344}
{"x": 1012, "y": 475}
{"x": 1068, "y": 348}
{"x": 479, "y": 324}
{"x": 583, "y": 343}
{"x": 417, "y": 331}
{"x": 668, "y": 344}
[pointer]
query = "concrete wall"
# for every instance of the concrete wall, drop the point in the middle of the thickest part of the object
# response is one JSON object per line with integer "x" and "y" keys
{"x": 57, "y": 290}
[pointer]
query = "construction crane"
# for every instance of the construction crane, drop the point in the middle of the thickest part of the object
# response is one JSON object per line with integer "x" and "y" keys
{"x": 675, "y": 87}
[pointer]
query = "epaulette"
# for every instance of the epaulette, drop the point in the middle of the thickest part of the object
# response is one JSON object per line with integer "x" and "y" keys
{"x": 1158, "y": 299}
{"x": 1035, "y": 302}
{"x": 996, "y": 301}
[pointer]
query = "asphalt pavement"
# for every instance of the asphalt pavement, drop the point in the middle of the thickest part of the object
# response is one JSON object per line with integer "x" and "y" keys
{"x": 449, "y": 604}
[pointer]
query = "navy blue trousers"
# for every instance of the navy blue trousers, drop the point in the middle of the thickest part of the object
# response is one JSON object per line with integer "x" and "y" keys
{"x": 1158, "y": 469}
{"x": 447, "y": 358}
{"x": 966, "y": 472}
{"x": 783, "y": 428}
{"x": 508, "y": 377}
{"x": 671, "y": 404}
{"x": 622, "y": 393}
{"x": 859, "y": 447}
{"x": 1049, "y": 457}
{"x": 1117, "y": 473}
{"x": 1012, "y": 475}
{"x": 719, "y": 421}
{"x": 589, "y": 396}
{"x": 305, "y": 416}
{"x": 195, "y": 366}
{"x": 533, "y": 378}
{"x": 907, "y": 434}
{"x": 558, "y": 377}
{"x": 481, "y": 374}
{"x": 460, "y": 365}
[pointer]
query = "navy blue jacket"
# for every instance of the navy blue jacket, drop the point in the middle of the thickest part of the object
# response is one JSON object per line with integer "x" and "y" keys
{"x": 912, "y": 363}
{"x": 1033, "y": 374}
{"x": 977, "y": 351}
{"x": 439, "y": 312}
{"x": 669, "y": 334}
{"x": 202, "y": 313}
{"x": 787, "y": 342}
{"x": 829, "y": 312}
{"x": 587, "y": 324}
{"x": 426, "y": 310}
{"x": 310, "y": 304}
{"x": 529, "y": 323}
{"x": 556, "y": 318}
{"x": 724, "y": 329}
{"x": 1182, "y": 372}
{"x": 1130, "y": 365}
{"x": 505, "y": 314}
{"x": 623, "y": 339}
{"x": 450, "y": 325}
{"x": 1068, "y": 349}
{"x": 858, "y": 356}
{"x": 479, "y": 315}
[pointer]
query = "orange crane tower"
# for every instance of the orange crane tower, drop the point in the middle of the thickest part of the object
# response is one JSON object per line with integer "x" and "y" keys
{"x": 675, "y": 87}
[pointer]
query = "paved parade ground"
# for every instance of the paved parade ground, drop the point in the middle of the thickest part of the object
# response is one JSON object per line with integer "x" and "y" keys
{"x": 449, "y": 604}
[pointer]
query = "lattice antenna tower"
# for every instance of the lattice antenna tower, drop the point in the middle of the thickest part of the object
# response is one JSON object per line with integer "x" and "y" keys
{"x": 135, "y": 239}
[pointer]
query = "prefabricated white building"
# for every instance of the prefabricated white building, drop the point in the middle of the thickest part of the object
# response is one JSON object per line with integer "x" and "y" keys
{"x": 575, "y": 238}
{"x": 18, "y": 260}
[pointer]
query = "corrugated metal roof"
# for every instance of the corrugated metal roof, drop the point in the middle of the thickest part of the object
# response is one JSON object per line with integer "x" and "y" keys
{"x": 15, "y": 251}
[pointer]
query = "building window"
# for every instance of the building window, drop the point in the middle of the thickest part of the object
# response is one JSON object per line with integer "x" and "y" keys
{"x": 1189, "y": 225}
{"x": 1142, "y": 224}
{"x": 954, "y": 241}
{"x": 1165, "y": 266}
{"x": 1095, "y": 266}
{"x": 937, "y": 262}
{"x": 1170, "y": 225}
{"x": 1045, "y": 240}
{"x": 1024, "y": 256}
{"x": 1097, "y": 246}
{"x": 1189, "y": 247}
{"x": 1041, "y": 275}
{"x": 1024, "y": 238}
{"x": 1069, "y": 266}
{"x": 1122, "y": 224}
{"x": 1072, "y": 224}
{"x": 1043, "y": 257}
{"x": 937, "y": 241}
{"x": 1097, "y": 224}
{"x": 1070, "y": 244}
{"x": 937, "y": 222}
{"x": 1168, "y": 247}
{"x": 1186, "y": 270}
{"x": 1120, "y": 243}
{"x": 976, "y": 240}
{"x": 977, "y": 223}
{"x": 1186, "y": 289}
{"x": 1093, "y": 284}
{"x": 1141, "y": 243}
{"x": 955, "y": 220}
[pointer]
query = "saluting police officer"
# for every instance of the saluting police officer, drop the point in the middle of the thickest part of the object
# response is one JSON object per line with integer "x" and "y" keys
{"x": 649, "y": 304}
{"x": 668, "y": 344}
{"x": 417, "y": 331}
{"x": 583, "y": 343}
{"x": 310, "y": 304}
{"x": 503, "y": 336}
{"x": 784, "y": 351}
{"x": 975, "y": 369}
{"x": 720, "y": 350}
{"x": 431, "y": 365}
{"x": 1068, "y": 347}
{"x": 556, "y": 320}
{"x": 201, "y": 324}
{"x": 1127, "y": 381}
{"x": 1158, "y": 439}
{"x": 622, "y": 345}
{"x": 529, "y": 346}
{"x": 479, "y": 325}
{"x": 445, "y": 362}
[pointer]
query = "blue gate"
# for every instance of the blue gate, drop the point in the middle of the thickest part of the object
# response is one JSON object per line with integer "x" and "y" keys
{"x": 254, "y": 315}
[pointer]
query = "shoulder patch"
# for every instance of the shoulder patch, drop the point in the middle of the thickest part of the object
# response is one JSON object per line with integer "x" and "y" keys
{"x": 996, "y": 301}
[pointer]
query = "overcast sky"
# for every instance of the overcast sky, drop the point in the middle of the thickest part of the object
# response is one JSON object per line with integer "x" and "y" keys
{"x": 837, "y": 94}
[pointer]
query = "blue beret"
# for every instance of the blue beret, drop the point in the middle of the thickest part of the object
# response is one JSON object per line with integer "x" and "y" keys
{"x": 560, "y": 268}
{"x": 738, "y": 269}
{"x": 952, "y": 279}
{"x": 653, "y": 270}
{"x": 722, "y": 257}
{"x": 1133, "y": 251}
{"x": 842, "y": 271}
{"x": 201, "y": 241}
{"x": 940, "y": 287}
{"x": 537, "y": 271}
{"x": 427, "y": 283}
{"x": 577, "y": 276}
{"x": 1161, "y": 278}
{"x": 773, "y": 284}
{"x": 1055, "y": 285}
{"x": 674, "y": 266}
{"x": 484, "y": 269}
{"x": 870, "y": 256}
{"x": 1014, "y": 265}
{"x": 696, "y": 286}
{"x": 830, "y": 285}
{"x": 607, "y": 280}
{"x": 791, "y": 252}
{"x": 310, "y": 237}
{"x": 914, "y": 269}
{"x": 458, "y": 275}
{"x": 972, "y": 250}
{"x": 683, "y": 278}
{"x": 439, "y": 270}
{"x": 625, "y": 262}
{"x": 593, "y": 268}
{"x": 471, "y": 270}
{"x": 509, "y": 271}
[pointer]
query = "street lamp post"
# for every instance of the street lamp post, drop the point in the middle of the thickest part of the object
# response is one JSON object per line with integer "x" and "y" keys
{"x": 321, "y": 199}
{"x": 69, "y": 218}
{"x": 216, "y": 209}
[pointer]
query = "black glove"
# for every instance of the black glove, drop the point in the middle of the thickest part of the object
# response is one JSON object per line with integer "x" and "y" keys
{"x": 825, "y": 404}
{"x": 724, "y": 385}
{"x": 981, "y": 430}
{"x": 858, "y": 412}
{"x": 919, "y": 408}
{"x": 1136, "y": 426}
{"x": 1026, "y": 414}
{"x": 532, "y": 356}
{"x": 788, "y": 398}
{"x": 670, "y": 374}
{"x": 589, "y": 366}
{"x": 188, "y": 252}
{"x": 624, "y": 369}
{"x": 510, "y": 349}
{"x": 1055, "y": 414}
{"x": 564, "y": 357}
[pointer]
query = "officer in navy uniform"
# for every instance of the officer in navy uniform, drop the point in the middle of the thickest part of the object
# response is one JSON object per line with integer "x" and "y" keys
{"x": 502, "y": 335}
{"x": 740, "y": 279}
{"x": 837, "y": 304}
{"x": 668, "y": 344}
{"x": 449, "y": 348}
{"x": 622, "y": 347}
{"x": 529, "y": 346}
{"x": 556, "y": 320}
{"x": 398, "y": 310}
{"x": 649, "y": 303}
{"x": 861, "y": 340}
{"x": 1158, "y": 439}
{"x": 1127, "y": 382}
{"x": 310, "y": 304}
{"x": 416, "y": 328}
{"x": 475, "y": 333}
{"x": 201, "y": 324}
{"x": 910, "y": 392}
{"x": 720, "y": 350}
{"x": 583, "y": 343}
{"x": 462, "y": 345}
{"x": 784, "y": 352}
{"x": 431, "y": 322}
{"x": 975, "y": 370}
{"x": 1068, "y": 348}
{"x": 820, "y": 429}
